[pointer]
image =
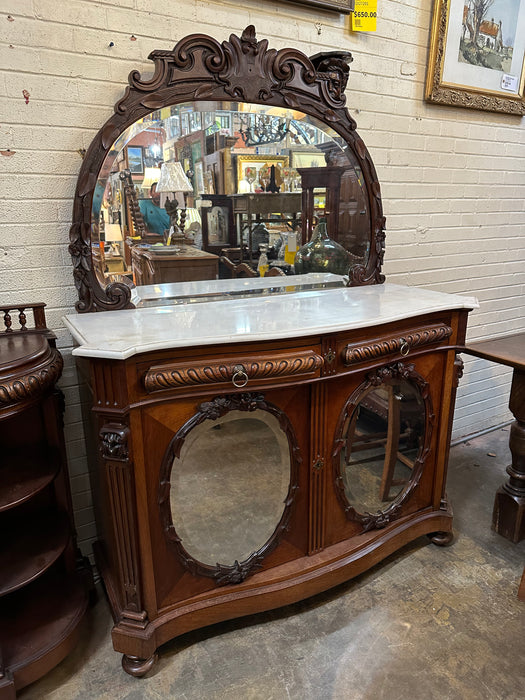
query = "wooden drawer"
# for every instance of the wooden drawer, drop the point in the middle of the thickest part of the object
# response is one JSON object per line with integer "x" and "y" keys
{"x": 399, "y": 343}
{"x": 235, "y": 371}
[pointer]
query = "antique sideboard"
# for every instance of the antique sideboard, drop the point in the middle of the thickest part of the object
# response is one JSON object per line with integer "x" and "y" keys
{"x": 256, "y": 441}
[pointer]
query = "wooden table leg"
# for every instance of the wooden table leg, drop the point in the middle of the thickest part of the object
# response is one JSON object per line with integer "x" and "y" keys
{"x": 521, "y": 590}
{"x": 508, "y": 518}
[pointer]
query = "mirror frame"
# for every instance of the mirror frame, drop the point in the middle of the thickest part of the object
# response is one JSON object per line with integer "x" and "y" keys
{"x": 225, "y": 574}
{"x": 199, "y": 68}
{"x": 397, "y": 371}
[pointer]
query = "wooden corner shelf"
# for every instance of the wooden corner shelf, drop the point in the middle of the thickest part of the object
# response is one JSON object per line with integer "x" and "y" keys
{"x": 44, "y": 582}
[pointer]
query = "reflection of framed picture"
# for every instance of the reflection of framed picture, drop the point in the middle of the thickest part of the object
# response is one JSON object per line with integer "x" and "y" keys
{"x": 135, "y": 159}
{"x": 342, "y": 6}
{"x": 217, "y": 223}
{"x": 477, "y": 55}
{"x": 199, "y": 177}
{"x": 307, "y": 159}
{"x": 254, "y": 164}
{"x": 195, "y": 121}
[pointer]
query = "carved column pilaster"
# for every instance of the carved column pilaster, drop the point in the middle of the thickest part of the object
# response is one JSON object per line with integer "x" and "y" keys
{"x": 317, "y": 500}
{"x": 115, "y": 450}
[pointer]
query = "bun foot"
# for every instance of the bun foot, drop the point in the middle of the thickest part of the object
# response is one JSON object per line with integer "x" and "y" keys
{"x": 138, "y": 667}
{"x": 443, "y": 539}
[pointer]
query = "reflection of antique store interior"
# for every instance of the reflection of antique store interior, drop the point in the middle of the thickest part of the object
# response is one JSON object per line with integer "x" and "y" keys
{"x": 262, "y": 366}
{"x": 198, "y": 177}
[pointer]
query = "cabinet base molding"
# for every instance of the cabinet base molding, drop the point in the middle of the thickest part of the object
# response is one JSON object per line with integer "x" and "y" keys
{"x": 266, "y": 590}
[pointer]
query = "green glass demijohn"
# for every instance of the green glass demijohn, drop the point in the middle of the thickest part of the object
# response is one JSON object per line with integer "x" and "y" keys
{"x": 322, "y": 254}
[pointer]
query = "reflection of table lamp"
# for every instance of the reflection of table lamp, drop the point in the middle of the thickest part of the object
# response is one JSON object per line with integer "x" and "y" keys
{"x": 151, "y": 175}
{"x": 112, "y": 235}
{"x": 173, "y": 179}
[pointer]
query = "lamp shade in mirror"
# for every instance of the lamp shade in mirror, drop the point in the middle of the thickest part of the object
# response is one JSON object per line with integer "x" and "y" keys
{"x": 173, "y": 179}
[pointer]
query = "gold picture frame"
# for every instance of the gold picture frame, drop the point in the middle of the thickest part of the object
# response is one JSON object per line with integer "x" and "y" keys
{"x": 342, "y": 6}
{"x": 476, "y": 62}
{"x": 257, "y": 162}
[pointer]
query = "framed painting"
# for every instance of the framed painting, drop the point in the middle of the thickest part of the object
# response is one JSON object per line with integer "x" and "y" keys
{"x": 217, "y": 223}
{"x": 342, "y": 6}
{"x": 135, "y": 160}
{"x": 476, "y": 57}
{"x": 248, "y": 168}
{"x": 307, "y": 159}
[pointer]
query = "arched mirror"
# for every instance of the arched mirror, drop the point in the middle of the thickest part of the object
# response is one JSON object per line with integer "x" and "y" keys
{"x": 218, "y": 168}
{"x": 383, "y": 440}
{"x": 228, "y": 486}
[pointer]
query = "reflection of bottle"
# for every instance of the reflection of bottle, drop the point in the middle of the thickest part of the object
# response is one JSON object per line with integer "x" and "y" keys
{"x": 322, "y": 254}
{"x": 290, "y": 248}
{"x": 262, "y": 265}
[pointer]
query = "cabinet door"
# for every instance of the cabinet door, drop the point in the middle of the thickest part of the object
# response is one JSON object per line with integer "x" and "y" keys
{"x": 384, "y": 425}
{"x": 226, "y": 488}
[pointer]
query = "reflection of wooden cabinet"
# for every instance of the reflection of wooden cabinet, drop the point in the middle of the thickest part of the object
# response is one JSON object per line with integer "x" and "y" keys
{"x": 184, "y": 264}
{"x": 316, "y": 355}
{"x": 42, "y": 594}
{"x": 251, "y": 209}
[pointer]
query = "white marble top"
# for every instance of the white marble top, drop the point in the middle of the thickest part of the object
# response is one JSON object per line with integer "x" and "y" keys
{"x": 122, "y": 334}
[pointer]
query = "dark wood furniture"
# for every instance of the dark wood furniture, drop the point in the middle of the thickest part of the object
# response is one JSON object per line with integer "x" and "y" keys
{"x": 276, "y": 379}
{"x": 329, "y": 180}
{"x": 508, "y": 517}
{"x": 251, "y": 209}
{"x": 43, "y": 580}
{"x": 147, "y": 409}
{"x": 183, "y": 264}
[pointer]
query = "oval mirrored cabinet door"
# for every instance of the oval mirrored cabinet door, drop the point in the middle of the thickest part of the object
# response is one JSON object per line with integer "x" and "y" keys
{"x": 229, "y": 493}
{"x": 383, "y": 443}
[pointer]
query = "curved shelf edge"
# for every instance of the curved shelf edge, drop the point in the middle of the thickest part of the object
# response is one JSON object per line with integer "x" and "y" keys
{"x": 33, "y": 550}
{"x": 41, "y": 626}
{"x": 24, "y": 476}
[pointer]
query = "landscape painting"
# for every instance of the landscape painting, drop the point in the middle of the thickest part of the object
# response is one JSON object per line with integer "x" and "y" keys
{"x": 477, "y": 54}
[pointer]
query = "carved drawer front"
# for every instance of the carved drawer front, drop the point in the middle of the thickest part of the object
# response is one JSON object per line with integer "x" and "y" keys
{"x": 400, "y": 343}
{"x": 237, "y": 371}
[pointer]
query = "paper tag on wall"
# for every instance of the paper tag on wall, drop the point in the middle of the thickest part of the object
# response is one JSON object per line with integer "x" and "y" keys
{"x": 509, "y": 82}
{"x": 364, "y": 16}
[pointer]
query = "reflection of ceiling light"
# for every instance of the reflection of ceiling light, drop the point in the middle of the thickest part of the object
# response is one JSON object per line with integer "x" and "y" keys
{"x": 259, "y": 129}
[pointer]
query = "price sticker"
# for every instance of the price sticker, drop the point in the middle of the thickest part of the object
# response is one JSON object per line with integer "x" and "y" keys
{"x": 364, "y": 16}
{"x": 509, "y": 82}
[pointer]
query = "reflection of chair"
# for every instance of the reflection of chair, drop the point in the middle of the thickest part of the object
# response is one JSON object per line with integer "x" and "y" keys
{"x": 240, "y": 270}
{"x": 275, "y": 272}
{"x": 385, "y": 404}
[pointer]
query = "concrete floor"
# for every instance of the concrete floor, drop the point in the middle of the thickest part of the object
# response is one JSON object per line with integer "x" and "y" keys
{"x": 429, "y": 622}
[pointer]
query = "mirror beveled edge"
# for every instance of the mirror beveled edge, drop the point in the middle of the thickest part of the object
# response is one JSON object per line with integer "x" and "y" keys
{"x": 242, "y": 69}
{"x": 225, "y": 574}
{"x": 379, "y": 377}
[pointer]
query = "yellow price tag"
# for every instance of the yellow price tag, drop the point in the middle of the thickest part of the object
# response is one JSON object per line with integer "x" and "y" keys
{"x": 364, "y": 16}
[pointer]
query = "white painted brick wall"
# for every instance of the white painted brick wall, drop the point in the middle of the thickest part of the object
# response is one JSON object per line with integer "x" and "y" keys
{"x": 453, "y": 180}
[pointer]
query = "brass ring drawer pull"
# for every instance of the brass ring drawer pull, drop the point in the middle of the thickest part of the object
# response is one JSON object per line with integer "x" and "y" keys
{"x": 405, "y": 348}
{"x": 239, "y": 378}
